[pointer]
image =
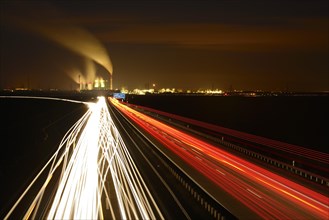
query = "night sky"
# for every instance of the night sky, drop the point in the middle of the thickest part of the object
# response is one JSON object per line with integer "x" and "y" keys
{"x": 266, "y": 45}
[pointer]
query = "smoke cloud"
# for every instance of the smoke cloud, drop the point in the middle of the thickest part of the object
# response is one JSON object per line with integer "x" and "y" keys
{"x": 70, "y": 36}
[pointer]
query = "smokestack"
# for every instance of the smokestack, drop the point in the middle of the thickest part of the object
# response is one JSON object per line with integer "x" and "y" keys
{"x": 111, "y": 88}
{"x": 79, "y": 83}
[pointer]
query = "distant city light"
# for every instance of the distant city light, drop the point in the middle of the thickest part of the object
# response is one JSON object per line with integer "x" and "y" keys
{"x": 169, "y": 90}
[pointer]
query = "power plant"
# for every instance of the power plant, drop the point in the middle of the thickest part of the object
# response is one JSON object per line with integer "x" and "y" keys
{"x": 98, "y": 84}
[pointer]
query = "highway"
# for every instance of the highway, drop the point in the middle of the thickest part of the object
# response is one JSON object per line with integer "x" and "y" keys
{"x": 90, "y": 176}
{"x": 105, "y": 169}
{"x": 118, "y": 163}
{"x": 305, "y": 158}
{"x": 171, "y": 195}
{"x": 265, "y": 194}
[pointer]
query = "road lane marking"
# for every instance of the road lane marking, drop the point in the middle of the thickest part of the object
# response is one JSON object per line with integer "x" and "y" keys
{"x": 198, "y": 158}
{"x": 254, "y": 193}
{"x": 196, "y": 151}
{"x": 220, "y": 172}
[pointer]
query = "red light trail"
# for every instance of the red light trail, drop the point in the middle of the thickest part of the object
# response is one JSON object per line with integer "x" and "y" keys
{"x": 284, "y": 148}
{"x": 267, "y": 194}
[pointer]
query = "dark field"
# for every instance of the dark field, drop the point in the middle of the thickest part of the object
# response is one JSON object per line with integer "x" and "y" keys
{"x": 299, "y": 120}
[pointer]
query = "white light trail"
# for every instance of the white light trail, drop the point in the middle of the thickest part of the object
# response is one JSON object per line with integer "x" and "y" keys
{"x": 46, "y": 98}
{"x": 91, "y": 159}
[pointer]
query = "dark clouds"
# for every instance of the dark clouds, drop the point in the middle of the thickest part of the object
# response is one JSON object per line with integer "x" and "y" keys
{"x": 304, "y": 35}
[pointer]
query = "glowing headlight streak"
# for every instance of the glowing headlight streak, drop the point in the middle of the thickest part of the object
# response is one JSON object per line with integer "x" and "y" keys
{"x": 91, "y": 154}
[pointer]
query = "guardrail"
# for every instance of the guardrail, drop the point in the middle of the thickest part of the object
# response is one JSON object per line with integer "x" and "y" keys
{"x": 279, "y": 164}
{"x": 276, "y": 163}
{"x": 205, "y": 200}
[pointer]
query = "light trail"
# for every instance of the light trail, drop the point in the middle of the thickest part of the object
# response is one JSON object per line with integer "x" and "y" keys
{"x": 276, "y": 196}
{"x": 282, "y": 150}
{"x": 45, "y": 98}
{"x": 91, "y": 160}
